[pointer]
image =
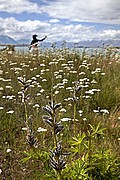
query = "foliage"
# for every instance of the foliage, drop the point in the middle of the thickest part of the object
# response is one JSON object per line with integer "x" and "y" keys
{"x": 84, "y": 125}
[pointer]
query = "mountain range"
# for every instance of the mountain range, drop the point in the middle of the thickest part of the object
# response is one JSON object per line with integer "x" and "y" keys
{"x": 5, "y": 40}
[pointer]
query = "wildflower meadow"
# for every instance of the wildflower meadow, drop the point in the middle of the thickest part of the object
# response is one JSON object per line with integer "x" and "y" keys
{"x": 60, "y": 114}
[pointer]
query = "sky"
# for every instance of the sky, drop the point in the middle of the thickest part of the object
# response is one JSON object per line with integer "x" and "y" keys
{"x": 61, "y": 20}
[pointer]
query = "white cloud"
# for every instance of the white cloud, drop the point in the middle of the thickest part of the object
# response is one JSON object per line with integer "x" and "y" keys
{"x": 110, "y": 34}
{"x": 19, "y": 6}
{"x": 104, "y": 11}
{"x": 54, "y": 20}
{"x": 56, "y": 32}
{"x": 22, "y": 29}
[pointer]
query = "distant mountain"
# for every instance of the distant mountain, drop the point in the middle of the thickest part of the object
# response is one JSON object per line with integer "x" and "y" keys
{"x": 23, "y": 41}
{"x": 93, "y": 43}
{"x": 4, "y": 39}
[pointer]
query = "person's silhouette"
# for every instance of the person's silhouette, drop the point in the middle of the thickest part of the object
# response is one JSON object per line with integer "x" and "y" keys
{"x": 34, "y": 42}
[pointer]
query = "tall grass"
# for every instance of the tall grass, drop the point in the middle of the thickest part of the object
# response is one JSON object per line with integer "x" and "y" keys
{"x": 87, "y": 85}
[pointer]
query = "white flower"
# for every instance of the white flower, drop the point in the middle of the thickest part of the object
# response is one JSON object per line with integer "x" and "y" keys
{"x": 42, "y": 65}
{"x": 84, "y": 119}
{"x": 44, "y": 80}
{"x": 70, "y": 99}
{"x": 47, "y": 97}
{"x": 89, "y": 92}
{"x": 29, "y": 81}
{"x": 73, "y": 72}
{"x": 38, "y": 94}
{"x": 93, "y": 72}
{"x": 104, "y": 111}
{"x": 102, "y": 74}
{"x": 3, "y": 97}
{"x": 80, "y": 111}
{"x": 37, "y": 76}
{"x": 1, "y": 89}
{"x": 10, "y": 97}
{"x": 93, "y": 81}
{"x": 97, "y": 90}
{"x": 47, "y": 70}
{"x": 61, "y": 70}
{"x": 63, "y": 65}
{"x": 60, "y": 87}
{"x": 59, "y": 76}
{"x": 33, "y": 78}
{"x": 10, "y": 112}
{"x": 1, "y": 71}
{"x": 69, "y": 88}
{"x": 36, "y": 106}
{"x": 62, "y": 110}
{"x": 96, "y": 111}
{"x": 24, "y": 129}
{"x": 1, "y": 108}
{"x": 8, "y": 150}
{"x": 32, "y": 86}
{"x": 0, "y": 171}
{"x": 75, "y": 120}
{"x": 9, "y": 87}
{"x": 42, "y": 90}
{"x": 56, "y": 73}
{"x": 82, "y": 73}
{"x": 70, "y": 62}
{"x": 40, "y": 129}
{"x": 56, "y": 92}
{"x": 20, "y": 92}
{"x": 64, "y": 80}
{"x": 65, "y": 119}
{"x": 98, "y": 70}
{"x": 86, "y": 97}
{"x": 50, "y": 63}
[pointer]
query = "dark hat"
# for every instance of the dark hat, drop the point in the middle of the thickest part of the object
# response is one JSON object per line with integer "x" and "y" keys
{"x": 34, "y": 35}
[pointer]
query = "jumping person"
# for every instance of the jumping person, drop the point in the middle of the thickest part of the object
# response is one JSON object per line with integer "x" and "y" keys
{"x": 34, "y": 43}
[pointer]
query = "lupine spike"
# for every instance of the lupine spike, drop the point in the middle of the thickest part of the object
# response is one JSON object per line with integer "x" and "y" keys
{"x": 78, "y": 88}
{"x": 26, "y": 86}
{"x": 48, "y": 110}
{"x": 51, "y": 104}
{"x": 22, "y": 82}
{"x": 57, "y": 106}
{"x": 47, "y": 118}
{"x": 58, "y": 127}
{"x": 48, "y": 122}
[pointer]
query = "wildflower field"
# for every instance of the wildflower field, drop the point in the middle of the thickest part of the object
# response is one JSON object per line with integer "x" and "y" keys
{"x": 60, "y": 114}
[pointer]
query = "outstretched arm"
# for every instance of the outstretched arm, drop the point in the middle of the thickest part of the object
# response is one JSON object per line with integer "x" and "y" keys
{"x": 42, "y": 39}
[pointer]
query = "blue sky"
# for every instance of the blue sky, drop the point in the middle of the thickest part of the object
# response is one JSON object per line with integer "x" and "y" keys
{"x": 70, "y": 20}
